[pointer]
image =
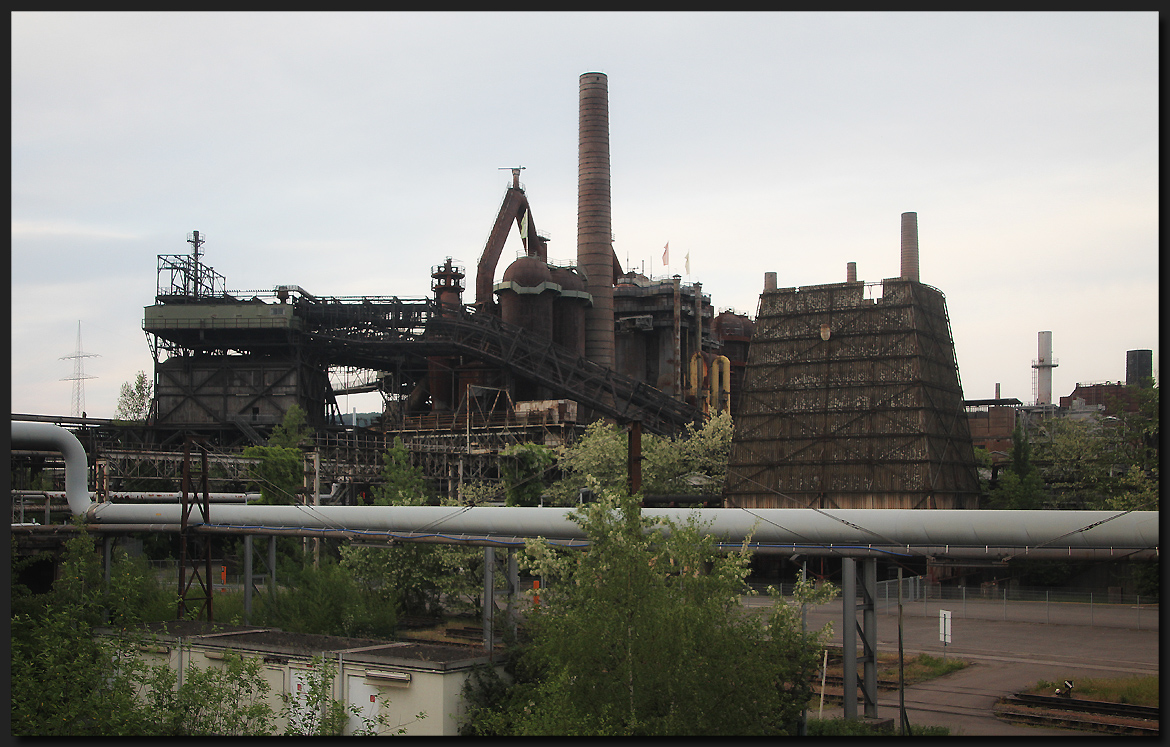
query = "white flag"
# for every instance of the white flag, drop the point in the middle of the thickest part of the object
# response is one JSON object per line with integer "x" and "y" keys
{"x": 524, "y": 226}
{"x": 666, "y": 254}
{"x": 688, "y": 261}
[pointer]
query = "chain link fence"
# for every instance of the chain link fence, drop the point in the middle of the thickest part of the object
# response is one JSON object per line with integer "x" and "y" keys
{"x": 1107, "y": 608}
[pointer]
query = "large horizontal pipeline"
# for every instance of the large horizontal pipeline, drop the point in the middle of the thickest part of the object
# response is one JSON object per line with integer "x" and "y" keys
{"x": 839, "y": 530}
{"x": 988, "y": 553}
{"x": 890, "y": 528}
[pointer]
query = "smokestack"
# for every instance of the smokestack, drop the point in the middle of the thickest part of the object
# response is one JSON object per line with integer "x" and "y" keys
{"x": 769, "y": 281}
{"x": 1043, "y": 369}
{"x": 910, "y": 246}
{"x": 997, "y": 390}
{"x": 594, "y": 232}
{"x": 851, "y": 272}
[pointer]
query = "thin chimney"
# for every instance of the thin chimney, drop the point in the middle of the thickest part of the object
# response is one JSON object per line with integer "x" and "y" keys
{"x": 910, "y": 246}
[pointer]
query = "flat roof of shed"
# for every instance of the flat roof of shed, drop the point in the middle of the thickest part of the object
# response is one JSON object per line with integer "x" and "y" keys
{"x": 274, "y": 641}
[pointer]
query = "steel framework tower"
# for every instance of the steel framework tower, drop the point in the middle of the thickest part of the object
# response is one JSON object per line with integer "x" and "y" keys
{"x": 79, "y": 376}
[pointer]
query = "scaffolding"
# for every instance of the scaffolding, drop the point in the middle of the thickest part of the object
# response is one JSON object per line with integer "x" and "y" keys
{"x": 852, "y": 402}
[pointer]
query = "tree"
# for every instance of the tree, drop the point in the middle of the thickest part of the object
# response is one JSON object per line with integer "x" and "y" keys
{"x": 293, "y": 431}
{"x": 1074, "y": 463}
{"x": 1105, "y": 463}
{"x": 694, "y": 462}
{"x": 644, "y": 634}
{"x": 414, "y": 578}
{"x": 598, "y": 454}
{"x": 135, "y": 399}
{"x": 70, "y": 680}
{"x": 280, "y": 470}
{"x": 523, "y": 466}
{"x": 279, "y": 473}
{"x": 65, "y": 680}
{"x": 1134, "y": 447}
{"x": 403, "y": 484}
{"x": 1020, "y": 485}
{"x": 329, "y": 600}
{"x": 212, "y": 701}
{"x": 689, "y": 463}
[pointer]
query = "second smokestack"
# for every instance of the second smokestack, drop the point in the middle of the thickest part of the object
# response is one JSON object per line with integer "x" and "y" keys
{"x": 594, "y": 231}
{"x": 910, "y": 246}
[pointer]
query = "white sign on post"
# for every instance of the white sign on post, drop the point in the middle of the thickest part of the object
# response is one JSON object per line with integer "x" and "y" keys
{"x": 944, "y": 626}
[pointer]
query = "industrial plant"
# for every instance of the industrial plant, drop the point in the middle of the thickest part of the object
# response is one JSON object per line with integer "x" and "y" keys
{"x": 845, "y": 397}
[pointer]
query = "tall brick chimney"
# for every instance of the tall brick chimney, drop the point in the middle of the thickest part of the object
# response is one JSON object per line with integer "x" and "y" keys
{"x": 594, "y": 229}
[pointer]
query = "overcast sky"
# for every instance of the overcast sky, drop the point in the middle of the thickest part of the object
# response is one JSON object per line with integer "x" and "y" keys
{"x": 348, "y": 153}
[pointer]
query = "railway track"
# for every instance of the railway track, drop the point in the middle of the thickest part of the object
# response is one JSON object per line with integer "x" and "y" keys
{"x": 836, "y": 680}
{"x": 1089, "y": 715}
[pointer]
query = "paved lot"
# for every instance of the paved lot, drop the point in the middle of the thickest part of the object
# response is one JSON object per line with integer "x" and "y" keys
{"x": 1007, "y": 657}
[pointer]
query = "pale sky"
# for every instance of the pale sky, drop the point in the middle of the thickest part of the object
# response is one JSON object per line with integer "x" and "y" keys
{"x": 348, "y": 153}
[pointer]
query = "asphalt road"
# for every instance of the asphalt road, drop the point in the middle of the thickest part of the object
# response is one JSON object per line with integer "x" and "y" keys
{"x": 1006, "y": 657}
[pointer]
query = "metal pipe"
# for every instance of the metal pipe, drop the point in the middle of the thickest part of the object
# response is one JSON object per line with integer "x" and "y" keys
{"x": 499, "y": 540}
{"x": 156, "y": 497}
{"x": 1024, "y": 532}
{"x": 863, "y": 528}
{"x": 48, "y": 436}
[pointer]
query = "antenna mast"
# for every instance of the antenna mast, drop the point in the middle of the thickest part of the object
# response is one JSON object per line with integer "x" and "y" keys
{"x": 79, "y": 376}
{"x": 195, "y": 243}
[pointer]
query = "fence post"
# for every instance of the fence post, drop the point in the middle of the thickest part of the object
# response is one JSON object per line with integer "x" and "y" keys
{"x": 1005, "y": 604}
{"x": 1047, "y": 606}
{"x": 1139, "y": 606}
{"x": 964, "y": 602}
{"x": 1090, "y": 609}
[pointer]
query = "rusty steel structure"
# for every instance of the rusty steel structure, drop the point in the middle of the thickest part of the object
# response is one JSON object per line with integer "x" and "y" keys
{"x": 851, "y": 401}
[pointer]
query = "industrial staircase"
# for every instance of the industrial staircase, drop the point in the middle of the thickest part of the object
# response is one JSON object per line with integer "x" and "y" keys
{"x": 366, "y": 333}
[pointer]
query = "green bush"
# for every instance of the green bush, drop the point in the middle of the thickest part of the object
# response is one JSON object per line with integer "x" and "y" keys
{"x": 839, "y": 727}
{"x": 327, "y": 601}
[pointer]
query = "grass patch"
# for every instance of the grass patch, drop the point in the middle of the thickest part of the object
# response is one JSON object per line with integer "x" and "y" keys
{"x": 839, "y": 727}
{"x": 1136, "y": 690}
{"x": 924, "y": 667}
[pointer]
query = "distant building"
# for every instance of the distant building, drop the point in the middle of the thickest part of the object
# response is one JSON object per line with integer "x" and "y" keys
{"x": 991, "y": 422}
{"x": 1113, "y": 397}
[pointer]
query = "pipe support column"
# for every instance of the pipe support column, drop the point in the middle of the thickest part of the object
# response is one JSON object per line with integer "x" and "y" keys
{"x": 489, "y": 602}
{"x": 849, "y": 635}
